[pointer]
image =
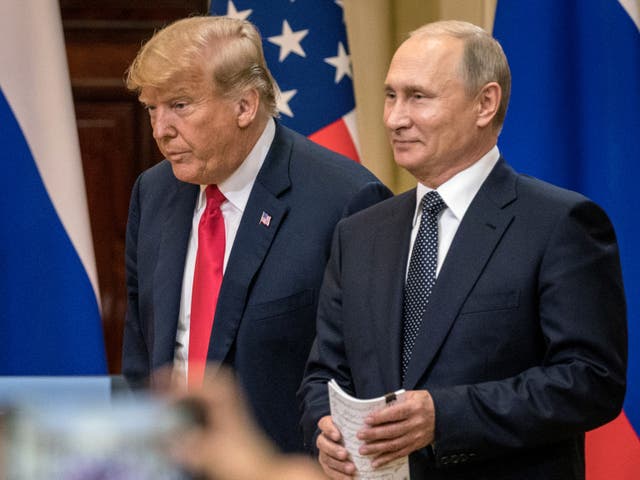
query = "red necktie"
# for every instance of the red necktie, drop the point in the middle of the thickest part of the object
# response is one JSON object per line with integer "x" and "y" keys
{"x": 207, "y": 278}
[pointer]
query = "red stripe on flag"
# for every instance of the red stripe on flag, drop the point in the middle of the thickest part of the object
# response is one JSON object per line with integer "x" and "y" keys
{"x": 336, "y": 137}
{"x": 613, "y": 451}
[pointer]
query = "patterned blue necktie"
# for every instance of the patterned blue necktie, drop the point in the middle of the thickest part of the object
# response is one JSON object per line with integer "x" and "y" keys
{"x": 422, "y": 273}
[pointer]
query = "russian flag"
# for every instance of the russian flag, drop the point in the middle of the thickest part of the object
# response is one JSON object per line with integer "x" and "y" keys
{"x": 574, "y": 120}
{"x": 49, "y": 309}
{"x": 305, "y": 45}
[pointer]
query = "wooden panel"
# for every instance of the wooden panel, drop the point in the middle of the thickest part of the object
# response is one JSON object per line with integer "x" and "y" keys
{"x": 131, "y": 10}
{"x": 104, "y": 61}
{"x": 107, "y": 137}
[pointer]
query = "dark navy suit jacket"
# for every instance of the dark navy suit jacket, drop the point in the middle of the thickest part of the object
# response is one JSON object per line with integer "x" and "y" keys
{"x": 523, "y": 343}
{"x": 265, "y": 318}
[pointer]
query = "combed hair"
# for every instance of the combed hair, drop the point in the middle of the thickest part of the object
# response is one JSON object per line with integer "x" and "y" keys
{"x": 483, "y": 60}
{"x": 226, "y": 50}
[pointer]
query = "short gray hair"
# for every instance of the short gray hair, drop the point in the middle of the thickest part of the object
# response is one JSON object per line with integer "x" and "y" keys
{"x": 483, "y": 59}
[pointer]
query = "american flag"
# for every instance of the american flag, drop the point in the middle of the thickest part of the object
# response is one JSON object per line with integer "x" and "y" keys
{"x": 305, "y": 45}
{"x": 265, "y": 219}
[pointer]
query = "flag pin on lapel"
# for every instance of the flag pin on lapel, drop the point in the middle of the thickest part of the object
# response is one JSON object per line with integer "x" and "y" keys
{"x": 265, "y": 219}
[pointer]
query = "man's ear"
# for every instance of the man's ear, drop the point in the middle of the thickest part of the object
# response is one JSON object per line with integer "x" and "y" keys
{"x": 488, "y": 103}
{"x": 247, "y": 107}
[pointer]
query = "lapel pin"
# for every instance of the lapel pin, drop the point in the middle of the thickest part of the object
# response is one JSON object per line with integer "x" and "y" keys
{"x": 265, "y": 219}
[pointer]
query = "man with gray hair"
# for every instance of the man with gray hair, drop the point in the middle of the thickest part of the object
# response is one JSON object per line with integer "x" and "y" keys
{"x": 228, "y": 237}
{"x": 494, "y": 299}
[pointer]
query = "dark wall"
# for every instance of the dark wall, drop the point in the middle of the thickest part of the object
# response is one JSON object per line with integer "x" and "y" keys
{"x": 102, "y": 38}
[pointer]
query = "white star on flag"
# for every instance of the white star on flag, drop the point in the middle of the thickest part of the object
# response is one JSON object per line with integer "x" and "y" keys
{"x": 289, "y": 41}
{"x": 342, "y": 62}
{"x": 233, "y": 13}
{"x": 311, "y": 98}
{"x": 283, "y": 102}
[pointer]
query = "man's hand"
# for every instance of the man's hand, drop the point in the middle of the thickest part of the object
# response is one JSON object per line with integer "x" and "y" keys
{"x": 333, "y": 457}
{"x": 400, "y": 429}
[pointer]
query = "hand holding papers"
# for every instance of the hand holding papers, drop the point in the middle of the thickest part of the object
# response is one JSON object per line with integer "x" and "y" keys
{"x": 348, "y": 414}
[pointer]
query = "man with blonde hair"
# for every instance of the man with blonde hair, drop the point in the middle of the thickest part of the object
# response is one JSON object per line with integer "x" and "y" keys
{"x": 494, "y": 299}
{"x": 228, "y": 237}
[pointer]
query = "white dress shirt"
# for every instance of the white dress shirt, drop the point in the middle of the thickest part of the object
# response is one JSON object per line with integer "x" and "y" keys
{"x": 236, "y": 190}
{"x": 457, "y": 193}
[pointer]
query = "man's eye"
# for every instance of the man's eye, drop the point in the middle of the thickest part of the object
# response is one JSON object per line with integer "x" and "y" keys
{"x": 179, "y": 105}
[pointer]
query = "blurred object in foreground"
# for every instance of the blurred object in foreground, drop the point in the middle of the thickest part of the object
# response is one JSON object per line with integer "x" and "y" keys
{"x": 127, "y": 438}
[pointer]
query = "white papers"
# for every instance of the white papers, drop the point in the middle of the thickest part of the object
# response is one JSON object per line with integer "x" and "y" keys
{"x": 348, "y": 414}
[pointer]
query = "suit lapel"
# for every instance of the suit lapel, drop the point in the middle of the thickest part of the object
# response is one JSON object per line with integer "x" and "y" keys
{"x": 387, "y": 279}
{"x": 478, "y": 235}
{"x": 167, "y": 280}
{"x": 251, "y": 244}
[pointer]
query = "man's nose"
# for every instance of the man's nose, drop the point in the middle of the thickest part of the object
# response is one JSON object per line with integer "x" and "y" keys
{"x": 162, "y": 124}
{"x": 396, "y": 115}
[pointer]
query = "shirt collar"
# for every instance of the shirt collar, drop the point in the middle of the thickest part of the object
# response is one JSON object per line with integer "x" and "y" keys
{"x": 237, "y": 187}
{"x": 458, "y": 192}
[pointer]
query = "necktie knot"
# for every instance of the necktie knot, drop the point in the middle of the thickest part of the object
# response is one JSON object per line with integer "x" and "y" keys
{"x": 432, "y": 203}
{"x": 215, "y": 197}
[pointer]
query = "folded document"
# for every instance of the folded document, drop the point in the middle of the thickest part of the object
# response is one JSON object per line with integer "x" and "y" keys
{"x": 348, "y": 414}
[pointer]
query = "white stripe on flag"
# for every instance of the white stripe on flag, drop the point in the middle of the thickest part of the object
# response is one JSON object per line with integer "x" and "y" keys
{"x": 350, "y": 121}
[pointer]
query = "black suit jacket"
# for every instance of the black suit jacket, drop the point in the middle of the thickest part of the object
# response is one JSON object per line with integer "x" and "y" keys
{"x": 265, "y": 318}
{"x": 523, "y": 342}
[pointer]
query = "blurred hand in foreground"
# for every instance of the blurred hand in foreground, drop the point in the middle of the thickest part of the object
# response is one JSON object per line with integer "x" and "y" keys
{"x": 225, "y": 443}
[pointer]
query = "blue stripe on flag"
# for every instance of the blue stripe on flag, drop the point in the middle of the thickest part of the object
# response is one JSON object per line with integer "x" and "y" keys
{"x": 574, "y": 120}
{"x": 49, "y": 316}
